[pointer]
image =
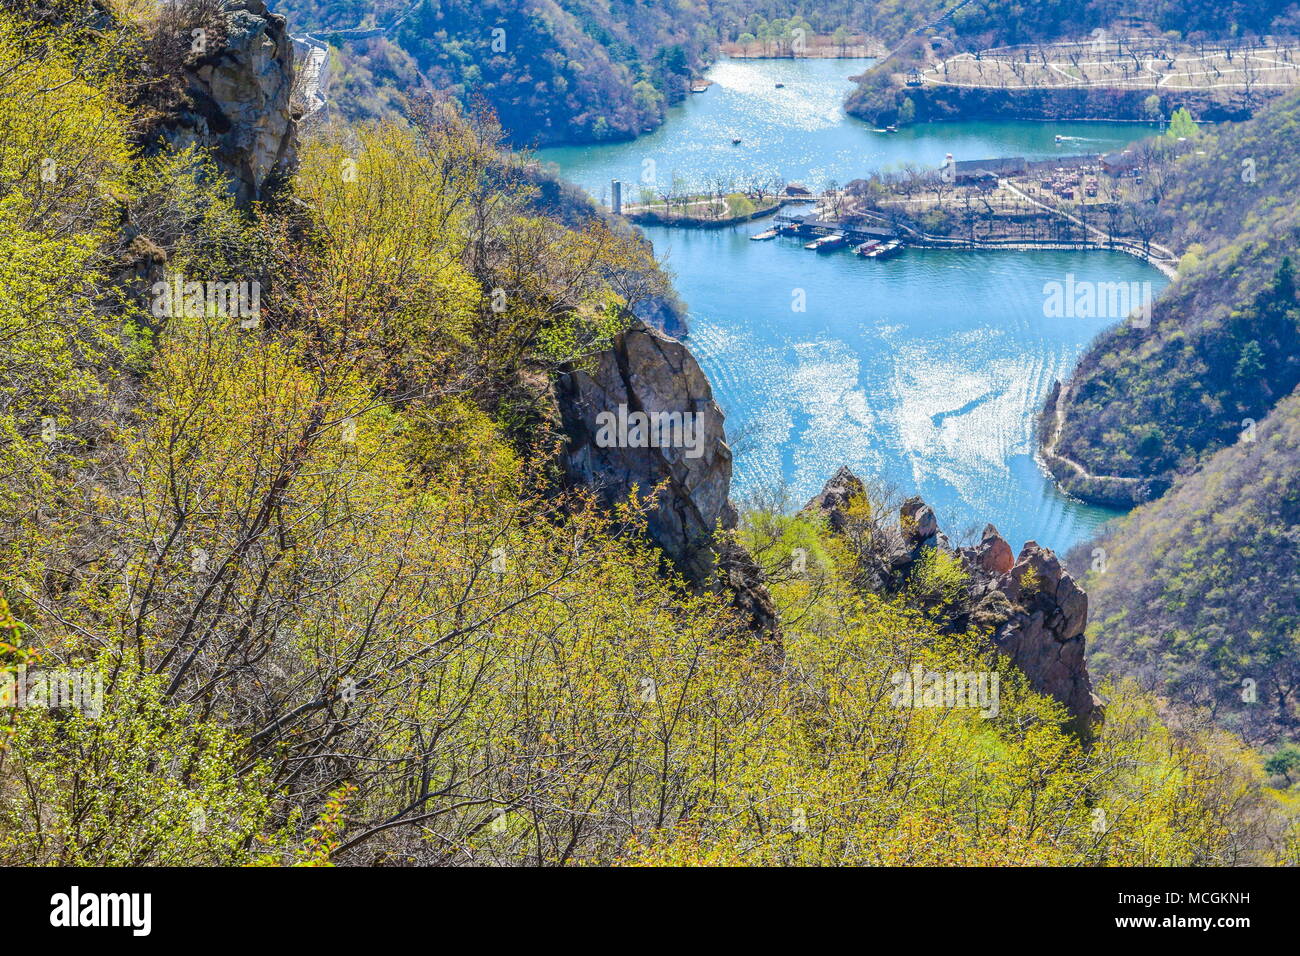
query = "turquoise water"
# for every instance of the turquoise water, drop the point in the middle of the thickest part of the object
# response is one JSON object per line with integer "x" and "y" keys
{"x": 801, "y": 133}
{"x": 922, "y": 372}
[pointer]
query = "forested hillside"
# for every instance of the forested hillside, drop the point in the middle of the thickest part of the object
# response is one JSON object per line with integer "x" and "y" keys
{"x": 1198, "y": 594}
{"x": 997, "y": 22}
{"x": 279, "y": 476}
{"x": 563, "y": 70}
{"x": 882, "y": 98}
{"x": 1221, "y": 349}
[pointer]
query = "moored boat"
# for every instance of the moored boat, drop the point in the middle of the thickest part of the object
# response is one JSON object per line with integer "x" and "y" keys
{"x": 867, "y": 248}
{"x": 764, "y": 235}
{"x": 827, "y": 243}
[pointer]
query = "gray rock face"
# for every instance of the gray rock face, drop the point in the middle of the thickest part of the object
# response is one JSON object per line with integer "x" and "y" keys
{"x": 1042, "y": 633}
{"x": 648, "y": 374}
{"x": 917, "y": 521}
{"x": 1031, "y": 608}
{"x": 680, "y": 457}
{"x": 239, "y": 95}
{"x": 834, "y": 498}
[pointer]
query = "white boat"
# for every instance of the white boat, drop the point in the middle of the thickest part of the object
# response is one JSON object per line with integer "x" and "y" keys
{"x": 764, "y": 235}
{"x": 827, "y": 243}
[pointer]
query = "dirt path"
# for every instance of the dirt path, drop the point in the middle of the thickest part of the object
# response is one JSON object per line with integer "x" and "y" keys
{"x": 1167, "y": 265}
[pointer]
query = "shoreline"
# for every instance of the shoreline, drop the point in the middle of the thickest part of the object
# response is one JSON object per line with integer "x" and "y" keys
{"x": 648, "y": 217}
{"x": 817, "y": 48}
{"x": 1107, "y": 491}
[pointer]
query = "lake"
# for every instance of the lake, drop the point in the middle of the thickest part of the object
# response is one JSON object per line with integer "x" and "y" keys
{"x": 802, "y": 134}
{"x": 923, "y": 372}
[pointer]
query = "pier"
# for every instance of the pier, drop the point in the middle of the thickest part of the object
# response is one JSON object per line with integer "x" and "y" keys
{"x": 812, "y": 224}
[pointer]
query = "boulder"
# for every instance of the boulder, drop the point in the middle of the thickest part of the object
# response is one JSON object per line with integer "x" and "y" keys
{"x": 992, "y": 555}
{"x": 918, "y": 523}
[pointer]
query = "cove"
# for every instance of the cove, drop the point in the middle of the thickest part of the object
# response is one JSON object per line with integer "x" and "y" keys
{"x": 801, "y": 133}
{"x": 923, "y": 372}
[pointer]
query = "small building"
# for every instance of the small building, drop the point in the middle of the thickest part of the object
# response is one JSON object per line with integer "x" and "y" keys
{"x": 983, "y": 171}
{"x": 863, "y": 233}
{"x": 1119, "y": 163}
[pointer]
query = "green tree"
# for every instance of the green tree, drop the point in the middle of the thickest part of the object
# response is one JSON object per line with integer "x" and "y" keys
{"x": 1181, "y": 125}
{"x": 1284, "y": 762}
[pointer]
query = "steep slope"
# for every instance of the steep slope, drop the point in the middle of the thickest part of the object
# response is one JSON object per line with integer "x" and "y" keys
{"x": 1198, "y": 594}
{"x": 552, "y": 70}
{"x": 1223, "y": 345}
{"x": 316, "y": 562}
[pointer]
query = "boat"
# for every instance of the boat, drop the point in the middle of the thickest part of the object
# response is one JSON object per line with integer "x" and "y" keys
{"x": 1060, "y": 138}
{"x": 867, "y": 247}
{"x": 882, "y": 250}
{"x": 891, "y": 129}
{"x": 764, "y": 235}
{"x": 827, "y": 243}
{"x": 780, "y": 86}
{"x": 735, "y": 141}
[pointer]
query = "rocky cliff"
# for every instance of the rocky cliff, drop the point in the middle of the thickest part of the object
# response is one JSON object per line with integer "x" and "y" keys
{"x": 641, "y": 415}
{"x": 236, "y": 102}
{"x": 1031, "y": 608}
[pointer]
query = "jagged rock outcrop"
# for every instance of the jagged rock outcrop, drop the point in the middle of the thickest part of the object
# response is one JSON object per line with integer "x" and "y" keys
{"x": 237, "y": 100}
{"x": 740, "y": 574}
{"x": 1032, "y": 609}
{"x": 1037, "y": 614}
{"x": 613, "y": 449}
{"x": 833, "y": 500}
{"x": 641, "y": 415}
